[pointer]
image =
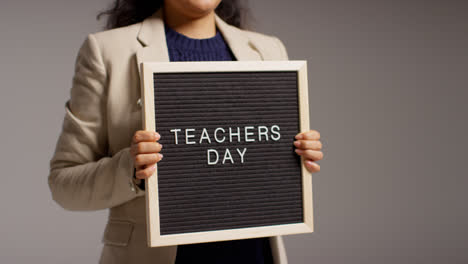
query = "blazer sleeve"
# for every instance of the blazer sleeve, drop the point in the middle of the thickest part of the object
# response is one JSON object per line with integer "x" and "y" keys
{"x": 82, "y": 175}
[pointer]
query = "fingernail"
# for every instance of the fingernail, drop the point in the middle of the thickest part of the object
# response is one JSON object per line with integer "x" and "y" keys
{"x": 297, "y": 143}
{"x": 298, "y": 151}
{"x": 154, "y": 167}
{"x": 309, "y": 162}
{"x": 156, "y": 134}
{"x": 160, "y": 145}
{"x": 299, "y": 136}
{"x": 160, "y": 155}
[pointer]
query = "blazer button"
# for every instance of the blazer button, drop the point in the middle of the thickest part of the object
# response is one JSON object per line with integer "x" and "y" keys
{"x": 132, "y": 187}
{"x": 139, "y": 103}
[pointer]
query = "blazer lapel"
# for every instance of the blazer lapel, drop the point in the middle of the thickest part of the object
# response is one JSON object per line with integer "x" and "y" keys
{"x": 240, "y": 45}
{"x": 153, "y": 39}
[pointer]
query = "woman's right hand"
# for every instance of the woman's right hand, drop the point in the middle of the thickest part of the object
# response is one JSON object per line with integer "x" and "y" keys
{"x": 145, "y": 152}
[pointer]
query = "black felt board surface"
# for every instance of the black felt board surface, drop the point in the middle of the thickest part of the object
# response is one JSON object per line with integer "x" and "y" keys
{"x": 264, "y": 190}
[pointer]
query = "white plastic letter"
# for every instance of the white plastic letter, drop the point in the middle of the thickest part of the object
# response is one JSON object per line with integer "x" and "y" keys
{"x": 262, "y": 130}
{"x": 248, "y": 133}
{"x": 208, "y": 156}
{"x": 204, "y": 135}
{"x": 276, "y": 132}
{"x": 216, "y": 135}
{"x": 227, "y": 155}
{"x": 234, "y": 134}
{"x": 241, "y": 154}
{"x": 175, "y": 130}
{"x": 187, "y": 136}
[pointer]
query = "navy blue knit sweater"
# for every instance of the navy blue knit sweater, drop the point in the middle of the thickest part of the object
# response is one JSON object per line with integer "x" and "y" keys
{"x": 183, "y": 48}
{"x": 246, "y": 251}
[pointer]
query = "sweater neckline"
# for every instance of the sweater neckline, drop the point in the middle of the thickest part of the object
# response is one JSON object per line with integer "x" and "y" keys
{"x": 184, "y": 42}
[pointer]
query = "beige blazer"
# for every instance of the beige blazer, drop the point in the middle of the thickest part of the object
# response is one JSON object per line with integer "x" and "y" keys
{"x": 91, "y": 168}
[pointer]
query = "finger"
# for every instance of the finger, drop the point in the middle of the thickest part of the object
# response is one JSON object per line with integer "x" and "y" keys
{"x": 146, "y": 172}
{"x": 145, "y": 147}
{"x": 308, "y": 144}
{"x": 309, "y": 135}
{"x": 143, "y": 135}
{"x": 312, "y": 166}
{"x": 142, "y": 167}
{"x": 145, "y": 159}
{"x": 310, "y": 154}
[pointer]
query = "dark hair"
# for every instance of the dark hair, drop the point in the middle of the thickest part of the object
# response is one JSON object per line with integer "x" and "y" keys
{"x": 126, "y": 12}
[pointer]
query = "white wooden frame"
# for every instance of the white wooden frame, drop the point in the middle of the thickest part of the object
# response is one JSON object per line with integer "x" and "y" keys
{"x": 155, "y": 239}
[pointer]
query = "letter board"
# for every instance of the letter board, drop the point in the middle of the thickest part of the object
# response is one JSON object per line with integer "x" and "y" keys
{"x": 229, "y": 169}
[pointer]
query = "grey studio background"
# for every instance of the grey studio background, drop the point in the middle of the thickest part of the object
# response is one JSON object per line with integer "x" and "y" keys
{"x": 388, "y": 91}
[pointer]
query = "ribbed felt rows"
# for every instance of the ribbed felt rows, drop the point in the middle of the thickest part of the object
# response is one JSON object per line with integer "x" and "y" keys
{"x": 266, "y": 189}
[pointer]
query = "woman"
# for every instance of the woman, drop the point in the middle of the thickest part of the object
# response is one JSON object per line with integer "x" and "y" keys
{"x": 102, "y": 154}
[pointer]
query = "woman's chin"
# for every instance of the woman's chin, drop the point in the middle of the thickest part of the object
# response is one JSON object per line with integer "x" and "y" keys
{"x": 195, "y": 8}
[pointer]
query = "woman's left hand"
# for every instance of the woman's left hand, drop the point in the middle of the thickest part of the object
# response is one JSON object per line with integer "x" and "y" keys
{"x": 308, "y": 145}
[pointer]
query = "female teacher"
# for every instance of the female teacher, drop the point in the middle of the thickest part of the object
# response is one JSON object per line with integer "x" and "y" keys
{"x": 102, "y": 154}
